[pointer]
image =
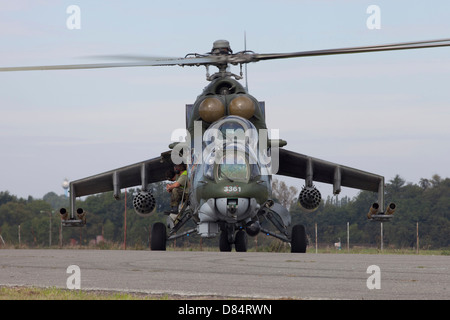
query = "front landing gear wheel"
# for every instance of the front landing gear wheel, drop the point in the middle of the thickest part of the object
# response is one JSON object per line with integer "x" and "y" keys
{"x": 224, "y": 245}
{"x": 158, "y": 237}
{"x": 240, "y": 241}
{"x": 298, "y": 240}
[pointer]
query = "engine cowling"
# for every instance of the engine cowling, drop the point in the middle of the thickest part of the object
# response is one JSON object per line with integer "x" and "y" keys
{"x": 144, "y": 203}
{"x": 81, "y": 215}
{"x": 373, "y": 210}
{"x": 390, "y": 208}
{"x": 309, "y": 198}
{"x": 64, "y": 214}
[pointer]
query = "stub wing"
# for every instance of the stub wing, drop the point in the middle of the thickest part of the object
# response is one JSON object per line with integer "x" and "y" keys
{"x": 138, "y": 174}
{"x": 311, "y": 169}
{"x": 297, "y": 165}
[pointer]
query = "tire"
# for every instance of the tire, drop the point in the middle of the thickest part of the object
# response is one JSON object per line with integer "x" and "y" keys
{"x": 240, "y": 242}
{"x": 298, "y": 240}
{"x": 158, "y": 237}
{"x": 224, "y": 245}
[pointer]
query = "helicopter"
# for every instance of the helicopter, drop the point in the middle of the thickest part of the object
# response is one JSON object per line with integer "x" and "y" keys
{"x": 230, "y": 159}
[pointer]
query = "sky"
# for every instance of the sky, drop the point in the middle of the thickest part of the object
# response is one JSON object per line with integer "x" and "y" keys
{"x": 387, "y": 113}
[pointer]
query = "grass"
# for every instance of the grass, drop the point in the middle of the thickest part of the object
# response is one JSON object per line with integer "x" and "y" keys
{"x": 369, "y": 250}
{"x": 33, "y": 293}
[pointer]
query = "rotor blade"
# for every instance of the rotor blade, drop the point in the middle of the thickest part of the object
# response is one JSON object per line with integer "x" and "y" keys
{"x": 125, "y": 57}
{"x": 385, "y": 47}
{"x": 164, "y": 62}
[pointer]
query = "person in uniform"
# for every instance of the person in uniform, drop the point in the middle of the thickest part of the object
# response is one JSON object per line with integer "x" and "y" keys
{"x": 178, "y": 189}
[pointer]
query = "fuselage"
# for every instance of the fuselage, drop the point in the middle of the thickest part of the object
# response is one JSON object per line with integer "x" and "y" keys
{"x": 228, "y": 171}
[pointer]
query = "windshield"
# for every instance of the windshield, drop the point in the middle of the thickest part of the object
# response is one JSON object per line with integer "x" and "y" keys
{"x": 234, "y": 167}
{"x": 232, "y": 130}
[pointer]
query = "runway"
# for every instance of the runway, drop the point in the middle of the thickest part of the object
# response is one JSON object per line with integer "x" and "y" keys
{"x": 233, "y": 274}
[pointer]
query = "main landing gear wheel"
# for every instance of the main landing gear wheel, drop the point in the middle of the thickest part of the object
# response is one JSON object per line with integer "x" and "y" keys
{"x": 298, "y": 240}
{"x": 240, "y": 241}
{"x": 158, "y": 237}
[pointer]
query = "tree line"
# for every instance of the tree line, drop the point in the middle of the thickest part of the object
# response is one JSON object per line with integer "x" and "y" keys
{"x": 35, "y": 222}
{"x": 426, "y": 204}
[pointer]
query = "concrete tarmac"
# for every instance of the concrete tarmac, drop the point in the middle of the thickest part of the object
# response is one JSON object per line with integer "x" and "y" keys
{"x": 233, "y": 274}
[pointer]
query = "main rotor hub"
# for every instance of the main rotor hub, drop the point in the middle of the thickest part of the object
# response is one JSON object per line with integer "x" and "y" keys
{"x": 221, "y": 47}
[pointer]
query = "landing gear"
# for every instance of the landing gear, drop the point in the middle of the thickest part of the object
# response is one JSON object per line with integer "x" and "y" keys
{"x": 158, "y": 237}
{"x": 224, "y": 245}
{"x": 240, "y": 241}
{"x": 298, "y": 239}
{"x": 226, "y": 241}
{"x": 233, "y": 234}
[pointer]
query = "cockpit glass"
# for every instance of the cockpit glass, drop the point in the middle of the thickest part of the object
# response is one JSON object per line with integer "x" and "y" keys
{"x": 232, "y": 129}
{"x": 233, "y": 171}
{"x": 233, "y": 168}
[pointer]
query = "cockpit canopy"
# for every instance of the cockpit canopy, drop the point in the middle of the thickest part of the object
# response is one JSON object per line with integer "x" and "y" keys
{"x": 231, "y": 150}
{"x": 232, "y": 130}
{"x": 232, "y": 163}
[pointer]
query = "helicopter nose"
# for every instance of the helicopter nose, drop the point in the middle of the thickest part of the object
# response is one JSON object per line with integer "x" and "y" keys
{"x": 232, "y": 207}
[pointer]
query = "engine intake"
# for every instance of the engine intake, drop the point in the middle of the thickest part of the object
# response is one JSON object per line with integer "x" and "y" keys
{"x": 309, "y": 198}
{"x": 144, "y": 203}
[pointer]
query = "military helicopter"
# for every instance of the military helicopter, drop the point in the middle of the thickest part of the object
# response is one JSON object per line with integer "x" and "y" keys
{"x": 230, "y": 159}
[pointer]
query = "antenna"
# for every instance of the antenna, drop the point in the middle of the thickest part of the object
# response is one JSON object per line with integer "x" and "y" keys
{"x": 245, "y": 49}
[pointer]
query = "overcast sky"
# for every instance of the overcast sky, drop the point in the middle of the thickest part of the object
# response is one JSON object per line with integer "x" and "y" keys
{"x": 386, "y": 113}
